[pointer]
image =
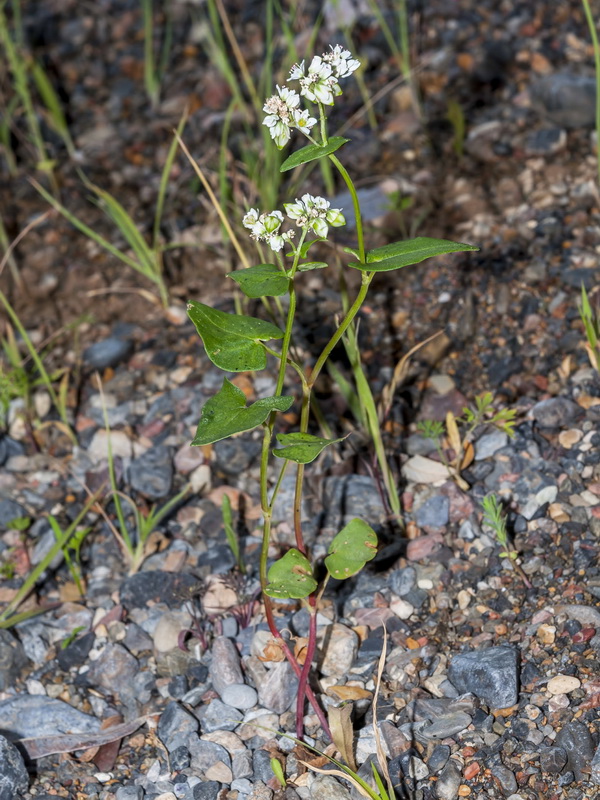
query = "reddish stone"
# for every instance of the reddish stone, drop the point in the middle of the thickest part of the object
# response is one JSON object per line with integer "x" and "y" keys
{"x": 423, "y": 547}
{"x": 471, "y": 771}
{"x": 584, "y": 635}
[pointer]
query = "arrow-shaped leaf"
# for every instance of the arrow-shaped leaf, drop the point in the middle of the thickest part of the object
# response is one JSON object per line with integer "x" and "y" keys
{"x": 291, "y": 576}
{"x": 301, "y": 447}
{"x": 262, "y": 280}
{"x": 226, "y": 413}
{"x": 232, "y": 341}
{"x": 311, "y": 152}
{"x": 350, "y": 550}
{"x": 412, "y": 251}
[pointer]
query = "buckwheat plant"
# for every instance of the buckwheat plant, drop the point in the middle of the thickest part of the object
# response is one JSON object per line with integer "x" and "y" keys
{"x": 237, "y": 343}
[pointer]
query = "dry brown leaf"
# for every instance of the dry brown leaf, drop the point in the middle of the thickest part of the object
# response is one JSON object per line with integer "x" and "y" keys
{"x": 349, "y": 692}
{"x": 452, "y": 432}
{"x": 469, "y": 455}
{"x": 68, "y": 742}
{"x": 272, "y": 652}
{"x": 300, "y": 648}
{"x": 342, "y": 732}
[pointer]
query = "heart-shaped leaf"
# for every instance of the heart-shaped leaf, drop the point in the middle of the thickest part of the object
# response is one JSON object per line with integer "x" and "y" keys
{"x": 412, "y": 251}
{"x": 311, "y": 152}
{"x": 350, "y": 550}
{"x": 226, "y": 414}
{"x": 291, "y": 576}
{"x": 263, "y": 280}
{"x": 301, "y": 447}
{"x": 232, "y": 341}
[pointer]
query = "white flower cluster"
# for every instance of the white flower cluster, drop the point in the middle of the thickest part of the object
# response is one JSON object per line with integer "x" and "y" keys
{"x": 311, "y": 213}
{"x": 315, "y": 214}
{"x": 283, "y": 114}
{"x": 265, "y": 228}
{"x": 320, "y": 85}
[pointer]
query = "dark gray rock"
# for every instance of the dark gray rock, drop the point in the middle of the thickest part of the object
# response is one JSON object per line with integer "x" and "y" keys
{"x": 179, "y": 758}
{"x": 225, "y": 669}
{"x": 402, "y": 581}
{"x": 12, "y": 660}
{"x": 568, "y": 100}
{"x": 14, "y": 779}
{"x": 152, "y": 473}
{"x": 107, "y": 353}
{"x": 174, "y": 722}
{"x": 506, "y": 779}
{"x": 545, "y": 142}
{"x": 29, "y": 715}
{"x": 446, "y": 787}
{"x": 8, "y": 448}
{"x": 578, "y": 275}
{"x": 438, "y": 758}
{"x": 156, "y": 586}
{"x": 114, "y": 670}
{"x": 491, "y": 675}
{"x": 233, "y": 456}
{"x": 576, "y": 741}
{"x": 278, "y": 690}
{"x": 595, "y": 767}
{"x": 447, "y": 725}
{"x": 553, "y": 759}
{"x": 241, "y": 764}
{"x": 10, "y": 510}
{"x": 216, "y": 716}
{"x": 434, "y": 512}
{"x": 209, "y": 790}
{"x": 76, "y": 653}
{"x": 556, "y": 412}
{"x": 349, "y": 496}
{"x": 205, "y": 754}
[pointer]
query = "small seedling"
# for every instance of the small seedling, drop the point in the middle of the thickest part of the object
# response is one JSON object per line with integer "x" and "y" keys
{"x": 493, "y": 515}
{"x": 591, "y": 322}
{"x": 239, "y": 343}
{"x": 71, "y": 637}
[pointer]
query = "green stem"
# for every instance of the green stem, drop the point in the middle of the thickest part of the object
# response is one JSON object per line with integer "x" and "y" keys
{"x": 367, "y": 277}
{"x": 356, "y": 205}
{"x": 596, "y": 46}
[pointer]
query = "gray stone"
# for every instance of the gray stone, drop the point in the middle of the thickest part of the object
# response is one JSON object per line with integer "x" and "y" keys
{"x": 10, "y": 510}
{"x": 438, "y": 758}
{"x": 447, "y": 725}
{"x": 12, "y": 660}
{"x": 30, "y": 715}
{"x": 234, "y": 456}
{"x": 506, "y": 779}
{"x": 568, "y": 100}
{"x": 152, "y": 473}
{"x": 448, "y": 782}
{"x": 241, "y": 765}
{"x": 14, "y": 779}
{"x": 218, "y": 717}
{"x": 553, "y": 759}
{"x": 491, "y": 675}
{"x": 129, "y": 793}
{"x": 278, "y": 691}
{"x": 595, "y": 767}
{"x": 239, "y": 696}
{"x": 209, "y": 790}
{"x": 114, "y": 670}
{"x": 434, "y": 512}
{"x": 586, "y": 615}
{"x": 205, "y": 754}
{"x": 349, "y": 496}
{"x": 545, "y": 142}
{"x": 402, "y": 581}
{"x": 157, "y": 586}
{"x": 556, "y": 412}
{"x": 576, "y": 741}
{"x": 490, "y": 443}
{"x": 261, "y": 763}
{"x": 326, "y": 787}
{"x": 173, "y": 722}
{"x": 225, "y": 669}
{"x": 107, "y": 353}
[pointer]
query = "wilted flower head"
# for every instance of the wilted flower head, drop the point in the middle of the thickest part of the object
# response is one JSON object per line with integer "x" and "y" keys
{"x": 265, "y": 228}
{"x": 320, "y": 83}
{"x": 283, "y": 114}
{"x": 314, "y": 213}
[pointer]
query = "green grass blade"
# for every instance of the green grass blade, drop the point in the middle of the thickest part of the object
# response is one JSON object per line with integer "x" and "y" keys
{"x": 164, "y": 181}
{"x": 53, "y": 105}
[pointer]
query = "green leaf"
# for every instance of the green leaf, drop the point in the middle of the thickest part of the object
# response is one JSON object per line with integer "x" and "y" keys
{"x": 312, "y": 265}
{"x": 291, "y": 576}
{"x": 232, "y": 341}
{"x": 301, "y": 447}
{"x": 350, "y": 550}
{"x": 312, "y": 152}
{"x": 306, "y": 247}
{"x": 263, "y": 280}
{"x": 413, "y": 251}
{"x": 226, "y": 413}
{"x": 352, "y": 251}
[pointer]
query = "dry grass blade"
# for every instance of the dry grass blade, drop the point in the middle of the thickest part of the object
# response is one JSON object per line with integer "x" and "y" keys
{"x": 400, "y": 372}
{"x": 339, "y": 774}
{"x": 342, "y": 732}
{"x": 379, "y": 747}
{"x": 34, "y": 223}
{"x": 214, "y": 201}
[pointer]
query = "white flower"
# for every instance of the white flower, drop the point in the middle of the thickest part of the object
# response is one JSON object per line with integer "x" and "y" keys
{"x": 280, "y": 114}
{"x": 297, "y": 71}
{"x": 341, "y": 61}
{"x": 303, "y": 122}
{"x": 319, "y": 85}
{"x": 265, "y": 228}
{"x": 314, "y": 213}
{"x": 276, "y": 241}
{"x": 251, "y": 218}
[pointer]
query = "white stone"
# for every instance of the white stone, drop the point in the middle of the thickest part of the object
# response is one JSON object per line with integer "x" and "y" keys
{"x": 119, "y": 441}
{"x": 402, "y": 608}
{"x": 563, "y": 684}
{"x": 200, "y": 479}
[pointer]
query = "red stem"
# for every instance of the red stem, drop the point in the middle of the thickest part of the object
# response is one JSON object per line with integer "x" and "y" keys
{"x": 303, "y": 687}
{"x": 308, "y": 692}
